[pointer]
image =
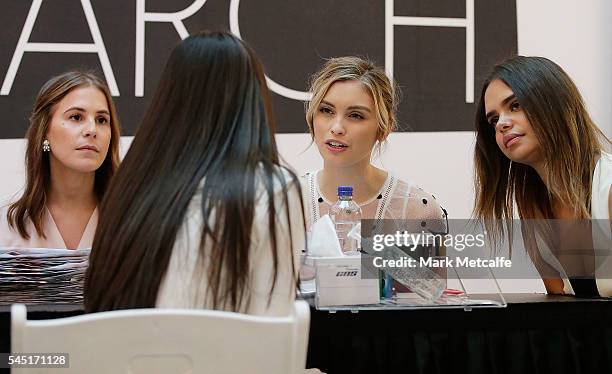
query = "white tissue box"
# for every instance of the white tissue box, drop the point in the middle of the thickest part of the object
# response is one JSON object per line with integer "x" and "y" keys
{"x": 339, "y": 282}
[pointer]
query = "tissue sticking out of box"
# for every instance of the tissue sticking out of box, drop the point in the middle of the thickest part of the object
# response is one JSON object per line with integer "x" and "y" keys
{"x": 323, "y": 240}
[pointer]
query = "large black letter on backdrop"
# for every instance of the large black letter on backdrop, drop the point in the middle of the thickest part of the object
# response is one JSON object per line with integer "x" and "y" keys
{"x": 142, "y": 16}
{"x": 437, "y": 50}
{"x": 24, "y": 45}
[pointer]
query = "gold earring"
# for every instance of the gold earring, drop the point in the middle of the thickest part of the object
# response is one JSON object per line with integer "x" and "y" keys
{"x": 46, "y": 146}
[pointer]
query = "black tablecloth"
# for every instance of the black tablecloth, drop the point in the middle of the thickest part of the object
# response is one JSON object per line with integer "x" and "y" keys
{"x": 534, "y": 334}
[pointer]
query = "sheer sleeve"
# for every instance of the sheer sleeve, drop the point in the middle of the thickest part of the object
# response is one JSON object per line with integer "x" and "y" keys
{"x": 409, "y": 202}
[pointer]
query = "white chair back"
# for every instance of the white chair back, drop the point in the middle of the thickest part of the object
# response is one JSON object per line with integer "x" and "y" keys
{"x": 167, "y": 341}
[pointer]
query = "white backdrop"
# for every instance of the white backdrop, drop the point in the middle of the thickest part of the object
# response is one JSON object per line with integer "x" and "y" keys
{"x": 576, "y": 34}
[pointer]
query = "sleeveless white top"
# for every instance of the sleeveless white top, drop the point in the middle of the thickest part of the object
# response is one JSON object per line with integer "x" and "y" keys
{"x": 602, "y": 237}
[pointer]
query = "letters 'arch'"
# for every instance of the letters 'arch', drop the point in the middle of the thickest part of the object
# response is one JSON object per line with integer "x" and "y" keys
{"x": 274, "y": 86}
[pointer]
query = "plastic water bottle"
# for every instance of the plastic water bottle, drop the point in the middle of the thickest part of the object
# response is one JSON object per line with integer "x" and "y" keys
{"x": 345, "y": 215}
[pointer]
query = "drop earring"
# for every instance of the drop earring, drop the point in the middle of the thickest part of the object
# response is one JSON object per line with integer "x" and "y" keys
{"x": 46, "y": 146}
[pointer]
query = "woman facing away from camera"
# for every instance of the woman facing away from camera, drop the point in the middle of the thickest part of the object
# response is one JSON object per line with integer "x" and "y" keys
{"x": 72, "y": 153}
{"x": 538, "y": 150}
{"x": 351, "y": 114}
{"x": 201, "y": 213}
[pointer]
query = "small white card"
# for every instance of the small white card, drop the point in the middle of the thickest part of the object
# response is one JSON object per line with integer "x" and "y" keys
{"x": 339, "y": 282}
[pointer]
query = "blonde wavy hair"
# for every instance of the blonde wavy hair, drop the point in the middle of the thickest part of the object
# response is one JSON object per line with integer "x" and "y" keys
{"x": 382, "y": 89}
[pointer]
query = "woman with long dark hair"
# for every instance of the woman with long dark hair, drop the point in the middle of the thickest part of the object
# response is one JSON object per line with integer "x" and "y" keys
{"x": 201, "y": 214}
{"x": 538, "y": 150}
{"x": 72, "y": 153}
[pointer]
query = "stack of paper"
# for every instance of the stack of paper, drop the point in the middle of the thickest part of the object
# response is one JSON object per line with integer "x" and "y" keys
{"x": 42, "y": 276}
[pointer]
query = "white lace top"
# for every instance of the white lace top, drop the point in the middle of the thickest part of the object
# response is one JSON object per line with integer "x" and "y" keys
{"x": 395, "y": 200}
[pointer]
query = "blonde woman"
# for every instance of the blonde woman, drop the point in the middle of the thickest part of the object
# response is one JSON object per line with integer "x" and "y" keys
{"x": 538, "y": 148}
{"x": 72, "y": 153}
{"x": 351, "y": 114}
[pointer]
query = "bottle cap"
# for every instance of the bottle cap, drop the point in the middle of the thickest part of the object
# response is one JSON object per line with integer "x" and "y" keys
{"x": 345, "y": 191}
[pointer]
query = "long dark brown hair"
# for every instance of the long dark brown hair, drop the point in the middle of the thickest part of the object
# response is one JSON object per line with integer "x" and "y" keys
{"x": 209, "y": 118}
{"x": 570, "y": 143}
{"x": 31, "y": 205}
